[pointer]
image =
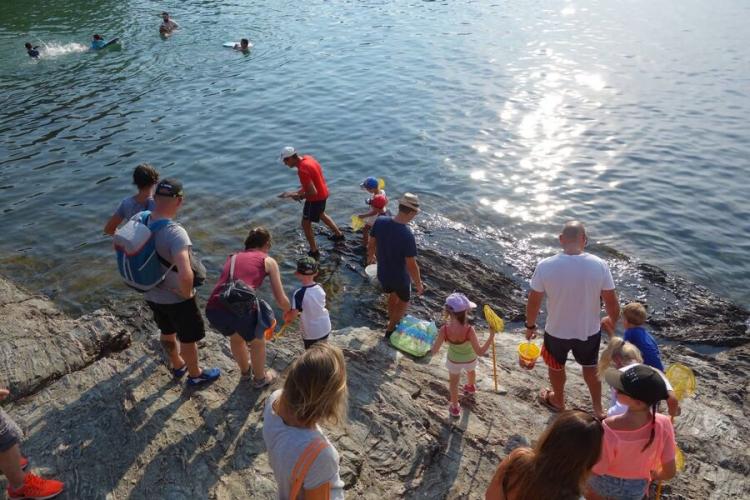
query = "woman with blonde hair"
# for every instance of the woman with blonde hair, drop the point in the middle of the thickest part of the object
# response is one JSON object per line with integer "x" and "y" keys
{"x": 304, "y": 462}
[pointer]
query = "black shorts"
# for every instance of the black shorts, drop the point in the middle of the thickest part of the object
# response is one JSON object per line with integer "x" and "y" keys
{"x": 227, "y": 323}
{"x": 183, "y": 318}
{"x": 403, "y": 290}
{"x": 311, "y": 342}
{"x": 586, "y": 352}
{"x": 313, "y": 210}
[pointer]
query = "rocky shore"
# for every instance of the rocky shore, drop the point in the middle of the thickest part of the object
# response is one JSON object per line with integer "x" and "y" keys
{"x": 102, "y": 413}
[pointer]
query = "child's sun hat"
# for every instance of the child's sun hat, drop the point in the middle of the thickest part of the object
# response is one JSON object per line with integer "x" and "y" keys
{"x": 369, "y": 183}
{"x": 457, "y": 302}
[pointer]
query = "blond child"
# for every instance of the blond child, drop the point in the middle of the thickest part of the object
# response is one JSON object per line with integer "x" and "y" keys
{"x": 639, "y": 445}
{"x": 304, "y": 462}
{"x": 463, "y": 347}
{"x": 623, "y": 355}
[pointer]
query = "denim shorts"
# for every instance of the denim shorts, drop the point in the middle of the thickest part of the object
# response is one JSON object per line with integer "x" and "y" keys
{"x": 615, "y": 488}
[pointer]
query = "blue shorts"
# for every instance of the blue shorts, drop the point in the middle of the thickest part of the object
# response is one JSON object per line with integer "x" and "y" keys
{"x": 228, "y": 324}
{"x": 615, "y": 488}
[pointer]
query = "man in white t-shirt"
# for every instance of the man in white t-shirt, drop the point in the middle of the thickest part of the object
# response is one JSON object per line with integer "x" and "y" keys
{"x": 575, "y": 283}
{"x": 309, "y": 302}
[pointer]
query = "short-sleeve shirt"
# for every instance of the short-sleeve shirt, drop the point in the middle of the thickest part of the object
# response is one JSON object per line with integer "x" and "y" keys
{"x": 169, "y": 242}
{"x": 310, "y": 301}
{"x": 97, "y": 44}
{"x": 395, "y": 242}
{"x": 131, "y": 206}
{"x": 645, "y": 343}
{"x": 286, "y": 443}
{"x": 169, "y": 25}
{"x": 573, "y": 285}
{"x": 309, "y": 170}
{"x": 622, "y": 454}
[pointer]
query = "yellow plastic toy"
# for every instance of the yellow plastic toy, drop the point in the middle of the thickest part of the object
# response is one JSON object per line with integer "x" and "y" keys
{"x": 498, "y": 325}
{"x": 357, "y": 223}
{"x": 682, "y": 379}
{"x": 528, "y": 353}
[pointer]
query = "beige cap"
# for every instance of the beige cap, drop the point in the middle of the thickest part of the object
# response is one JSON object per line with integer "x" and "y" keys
{"x": 410, "y": 200}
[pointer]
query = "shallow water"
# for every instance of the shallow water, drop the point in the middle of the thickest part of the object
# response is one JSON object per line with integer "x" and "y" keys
{"x": 504, "y": 116}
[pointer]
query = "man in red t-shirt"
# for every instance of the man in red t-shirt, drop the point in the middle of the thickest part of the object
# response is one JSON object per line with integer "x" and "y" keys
{"x": 315, "y": 193}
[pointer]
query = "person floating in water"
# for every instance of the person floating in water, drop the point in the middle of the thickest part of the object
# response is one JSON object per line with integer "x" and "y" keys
{"x": 243, "y": 46}
{"x": 32, "y": 51}
{"x": 97, "y": 42}
{"x": 167, "y": 25}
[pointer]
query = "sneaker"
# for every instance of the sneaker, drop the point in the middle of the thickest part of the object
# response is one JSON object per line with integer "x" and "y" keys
{"x": 470, "y": 389}
{"x": 179, "y": 372}
{"x": 269, "y": 377}
{"x": 337, "y": 237}
{"x": 248, "y": 375}
{"x": 315, "y": 254}
{"x": 205, "y": 377}
{"x": 36, "y": 488}
{"x": 454, "y": 410}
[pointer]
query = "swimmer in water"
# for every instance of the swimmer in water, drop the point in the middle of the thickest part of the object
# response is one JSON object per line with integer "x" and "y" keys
{"x": 243, "y": 46}
{"x": 97, "y": 42}
{"x": 167, "y": 25}
{"x": 32, "y": 51}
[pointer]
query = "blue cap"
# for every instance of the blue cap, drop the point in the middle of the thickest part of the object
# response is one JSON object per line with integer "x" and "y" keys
{"x": 369, "y": 183}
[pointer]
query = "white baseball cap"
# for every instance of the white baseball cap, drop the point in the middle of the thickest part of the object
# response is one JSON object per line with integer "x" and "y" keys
{"x": 287, "y": 152}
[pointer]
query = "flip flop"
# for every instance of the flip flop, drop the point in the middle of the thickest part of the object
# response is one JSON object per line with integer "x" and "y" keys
{"x": 544, "y": 398}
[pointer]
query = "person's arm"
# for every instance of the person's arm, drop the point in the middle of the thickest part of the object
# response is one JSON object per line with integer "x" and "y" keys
{"x": 112, "y": 224}
{"x": 611, "y": 306}
{"x": 184, "y": 273}
{"x": 533, "y": 306}
{"x": 272, "y": 268}
{"x": 308, "y": 190}
{"x": 665, "y": 473}
{"x": 481, "y": 351}
{"x": 438, "y": 341}
{"x": 413, "y": 269}
{"x": 4, "y": 393}
{"x": 373, "y": 211}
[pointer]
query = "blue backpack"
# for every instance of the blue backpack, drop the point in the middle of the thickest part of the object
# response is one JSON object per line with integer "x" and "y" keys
{"x": 135, "y": 246}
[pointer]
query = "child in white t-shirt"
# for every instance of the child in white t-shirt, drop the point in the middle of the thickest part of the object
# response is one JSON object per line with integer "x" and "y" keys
{"x": 309, "y": 303}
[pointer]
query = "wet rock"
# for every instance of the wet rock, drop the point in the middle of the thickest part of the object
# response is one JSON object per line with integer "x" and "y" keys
{"x": 110, "y": 421}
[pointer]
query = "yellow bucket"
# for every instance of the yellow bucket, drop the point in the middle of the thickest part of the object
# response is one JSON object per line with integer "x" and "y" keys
{"x": 528, "y": 353}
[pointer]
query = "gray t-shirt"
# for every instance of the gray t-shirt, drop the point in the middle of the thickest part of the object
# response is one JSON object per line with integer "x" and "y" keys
{"x": 285, "y": 444}
{"x": 130, "y": 206}
{"x": 169, "y": 241}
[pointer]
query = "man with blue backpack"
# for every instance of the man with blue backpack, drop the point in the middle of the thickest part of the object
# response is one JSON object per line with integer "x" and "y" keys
{"x": 154, "y": 256}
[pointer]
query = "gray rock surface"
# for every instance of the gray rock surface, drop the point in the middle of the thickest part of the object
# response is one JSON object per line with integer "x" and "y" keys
{"x": 105, "y": 416}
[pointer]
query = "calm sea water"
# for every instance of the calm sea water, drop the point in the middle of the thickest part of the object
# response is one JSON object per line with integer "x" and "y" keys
{"x": 512, "y": 116}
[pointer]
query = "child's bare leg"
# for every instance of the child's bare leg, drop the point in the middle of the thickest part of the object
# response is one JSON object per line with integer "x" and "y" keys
{"x": 453, "y": 383}
{"x": 472, "y": 376}
{"x": 240, "y": 353}
{"x": 10, "y": 465}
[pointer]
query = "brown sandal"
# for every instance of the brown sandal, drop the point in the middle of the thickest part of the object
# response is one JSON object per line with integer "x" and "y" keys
{"x": 545, "y": 399}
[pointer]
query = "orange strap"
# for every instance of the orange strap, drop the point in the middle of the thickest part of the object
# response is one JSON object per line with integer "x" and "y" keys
{"x": 304, "y": 462}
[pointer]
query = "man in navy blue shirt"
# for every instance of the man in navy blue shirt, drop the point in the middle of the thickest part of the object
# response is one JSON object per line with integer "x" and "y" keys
{"x": 396, "y": 258}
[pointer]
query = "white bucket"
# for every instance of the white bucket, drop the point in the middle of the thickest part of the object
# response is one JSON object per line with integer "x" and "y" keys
{"x": 372, "y": 273}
